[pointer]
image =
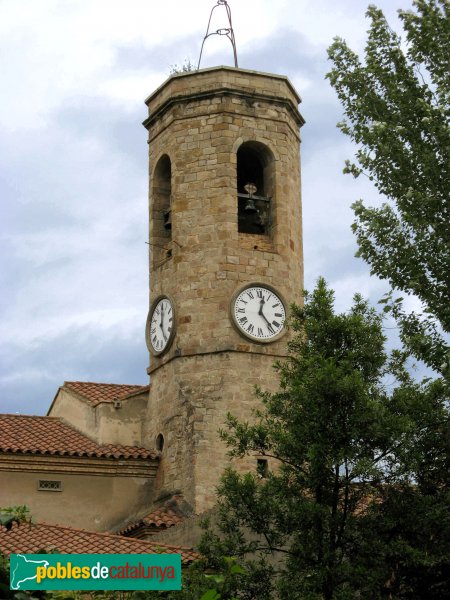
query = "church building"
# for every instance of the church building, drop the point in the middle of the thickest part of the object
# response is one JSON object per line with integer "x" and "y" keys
{"x": 225, "y": 264}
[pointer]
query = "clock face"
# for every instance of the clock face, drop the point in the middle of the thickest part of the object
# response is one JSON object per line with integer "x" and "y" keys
{"x": 160, "y": 325}
{"x": 259, "y": 313}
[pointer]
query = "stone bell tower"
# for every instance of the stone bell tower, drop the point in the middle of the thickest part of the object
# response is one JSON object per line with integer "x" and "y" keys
{"x": 225, "y": 261}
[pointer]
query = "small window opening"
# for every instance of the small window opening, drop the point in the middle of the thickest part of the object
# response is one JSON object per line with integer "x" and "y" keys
{"x": 160, "y": 442}
{"x": 45, "y": 485}
{"x": 253, "y": 182}
{"x": 262, "y": 467}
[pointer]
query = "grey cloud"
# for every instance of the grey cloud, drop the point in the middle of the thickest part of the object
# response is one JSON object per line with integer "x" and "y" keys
{"x": 289, "y": 52}
{"x": 78, "y": 185}
{"x": 287, "y": 48}
{"x": 333, "y": 261}
{"x": 29, "y": 377}
{"x": 121, "y": 130}
{"x": 286, "y": 52}
{"x": 71, "y": 194}
{"x": 137, "y": 57}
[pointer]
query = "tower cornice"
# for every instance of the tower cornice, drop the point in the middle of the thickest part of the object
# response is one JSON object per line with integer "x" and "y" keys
{"x": 231, "y": 70}
{"x": 223, "y": 81}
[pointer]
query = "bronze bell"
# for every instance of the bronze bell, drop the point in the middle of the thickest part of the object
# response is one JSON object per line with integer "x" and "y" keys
{"x": 250, "y": 207}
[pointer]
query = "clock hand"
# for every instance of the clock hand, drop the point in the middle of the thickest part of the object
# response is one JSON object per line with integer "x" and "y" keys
{"x": 162, "y": 324}
{"x": 260, "y": 312}
{"x": 261, "y": 304}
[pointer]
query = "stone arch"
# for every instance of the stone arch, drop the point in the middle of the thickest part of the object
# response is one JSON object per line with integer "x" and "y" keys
{"x": 258, "y": 140}
{"x": 255, "y": 183}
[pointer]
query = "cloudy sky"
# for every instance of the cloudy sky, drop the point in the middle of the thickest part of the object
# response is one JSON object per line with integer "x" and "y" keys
{"x": 73, "y": 169}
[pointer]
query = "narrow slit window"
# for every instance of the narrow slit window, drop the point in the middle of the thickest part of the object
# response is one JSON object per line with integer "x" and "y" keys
{"x": 160, "y": 442}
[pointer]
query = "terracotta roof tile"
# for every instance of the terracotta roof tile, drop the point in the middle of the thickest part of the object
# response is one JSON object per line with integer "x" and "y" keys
{"x": 172, "y": 513}
{"x": 22, "y": 434}
{"x": 67, "y": 540}
{"x": 96, "y": 393}
{"x": 163, "y": 517}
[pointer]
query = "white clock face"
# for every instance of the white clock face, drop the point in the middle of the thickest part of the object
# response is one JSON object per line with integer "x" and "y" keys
{"x": 259, "y": 313}
{"x": 160, "y": 326}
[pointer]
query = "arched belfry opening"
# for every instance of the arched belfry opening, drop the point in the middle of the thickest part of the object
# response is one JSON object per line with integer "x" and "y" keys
{"x": 162, "y": 210}
{"x": 255, "y": 185}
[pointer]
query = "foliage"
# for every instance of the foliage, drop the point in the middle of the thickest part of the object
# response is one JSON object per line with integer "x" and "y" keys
{"x": 9, "y": 516}
{"x": 354, "y": 505}
{"x": 397, "y": 111}
{"x": 196, "y": 583}
{"x": 186, "y": 67}
{"x": 199, "y": 583}
{"x": 98, "y": 595}
{"x": 14, "y": 514}
{"x": 5, "y": 592}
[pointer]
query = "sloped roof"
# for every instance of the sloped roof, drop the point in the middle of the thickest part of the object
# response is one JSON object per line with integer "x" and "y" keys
{"x": 172, "y": 513}
{"x": 96, "y": 393}
{"x": 38, "y": 537}
{"x": 23, "y": 434}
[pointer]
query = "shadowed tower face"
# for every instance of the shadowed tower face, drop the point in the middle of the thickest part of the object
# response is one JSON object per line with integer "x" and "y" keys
{"x": 225, "y": 261}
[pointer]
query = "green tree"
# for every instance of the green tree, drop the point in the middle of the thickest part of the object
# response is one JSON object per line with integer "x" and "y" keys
{"x": 396, "y": 106}
{"x": 348, "y": 451}
{"x": 8, "y": 517}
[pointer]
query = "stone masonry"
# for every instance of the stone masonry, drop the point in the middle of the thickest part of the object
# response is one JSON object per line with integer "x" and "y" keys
{"x": 197, "y": 122}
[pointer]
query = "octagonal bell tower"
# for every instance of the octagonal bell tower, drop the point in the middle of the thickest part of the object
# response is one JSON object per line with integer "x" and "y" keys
{"x": 225, "y": 261}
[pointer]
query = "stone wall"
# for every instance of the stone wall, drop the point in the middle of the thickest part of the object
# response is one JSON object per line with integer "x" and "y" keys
{"x": 190, "y": 400}
{"x": 105, "y": 423}
{"x": 90, "y": 497}
{"x": 188, "y": 533}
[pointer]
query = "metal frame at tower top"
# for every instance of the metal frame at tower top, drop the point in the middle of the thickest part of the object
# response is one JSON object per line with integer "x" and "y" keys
{"x": 226, "y": 31}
